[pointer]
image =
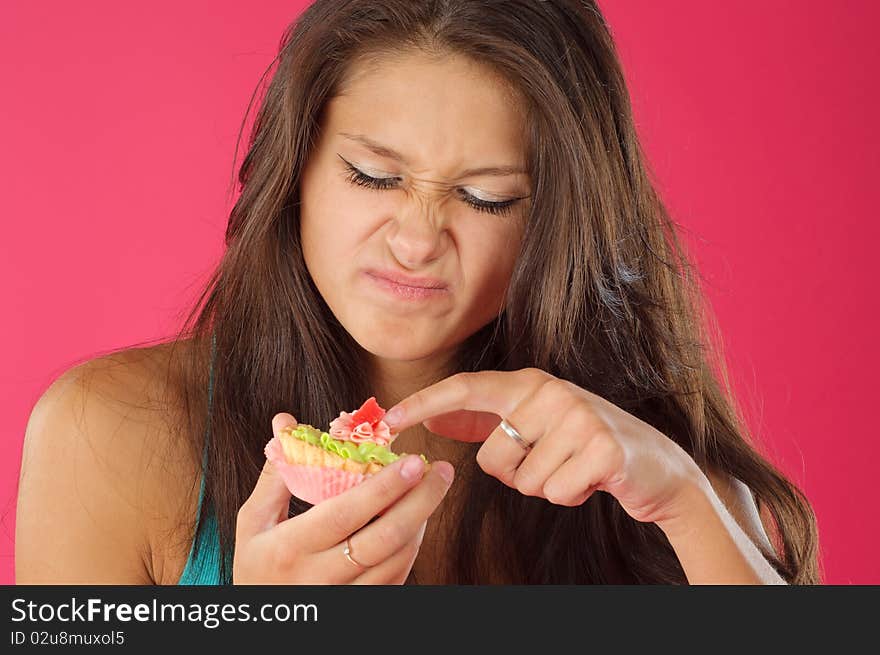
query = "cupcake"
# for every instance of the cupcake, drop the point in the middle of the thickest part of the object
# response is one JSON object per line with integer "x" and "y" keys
{"x": 317, "y": 465}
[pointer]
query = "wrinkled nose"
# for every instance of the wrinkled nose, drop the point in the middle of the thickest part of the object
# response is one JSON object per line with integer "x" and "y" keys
{"x": 416, "y": 240}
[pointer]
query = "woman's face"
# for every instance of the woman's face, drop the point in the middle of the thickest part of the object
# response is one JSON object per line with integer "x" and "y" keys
{"x": 451, "y": 260}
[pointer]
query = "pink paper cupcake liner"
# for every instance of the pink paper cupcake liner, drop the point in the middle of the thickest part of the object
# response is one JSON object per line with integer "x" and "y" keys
{"x": 310, "y": 483}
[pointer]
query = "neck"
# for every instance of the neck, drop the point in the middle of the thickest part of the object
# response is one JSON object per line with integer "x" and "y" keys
{"x": 393, "y": 379}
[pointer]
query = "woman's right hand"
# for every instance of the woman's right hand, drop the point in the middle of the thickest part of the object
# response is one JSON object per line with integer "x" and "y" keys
{"x": 308, "y": 549}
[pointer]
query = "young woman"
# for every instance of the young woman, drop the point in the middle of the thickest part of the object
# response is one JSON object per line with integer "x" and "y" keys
{"x": 444, "y": 205}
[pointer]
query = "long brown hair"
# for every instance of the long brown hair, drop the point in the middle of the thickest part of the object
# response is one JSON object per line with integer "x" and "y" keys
{"x": 602, "y": 294}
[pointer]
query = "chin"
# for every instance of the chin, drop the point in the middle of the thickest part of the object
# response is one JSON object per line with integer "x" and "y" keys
{"x": 398, "y": 350}
{"x": 405, "y": 348}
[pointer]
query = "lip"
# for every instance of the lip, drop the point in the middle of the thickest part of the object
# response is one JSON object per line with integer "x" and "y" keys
{"x": 408, "y": 280}
{"x": 406, "y": 287}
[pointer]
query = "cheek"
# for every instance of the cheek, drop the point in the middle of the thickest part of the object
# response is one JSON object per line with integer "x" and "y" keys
{"x": 333, "y": 226}
{"x": 328, "y": 244}
{"x": 487, "y": 261}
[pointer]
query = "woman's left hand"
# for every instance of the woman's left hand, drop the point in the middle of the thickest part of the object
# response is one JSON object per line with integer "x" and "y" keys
{"x": 580, "y": 442}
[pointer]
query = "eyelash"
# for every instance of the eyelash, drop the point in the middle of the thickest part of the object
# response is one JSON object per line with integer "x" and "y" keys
{"x": 357, "y": 177}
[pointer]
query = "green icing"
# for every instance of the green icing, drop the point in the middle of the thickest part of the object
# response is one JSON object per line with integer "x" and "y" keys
{"x": 364, "y": 452}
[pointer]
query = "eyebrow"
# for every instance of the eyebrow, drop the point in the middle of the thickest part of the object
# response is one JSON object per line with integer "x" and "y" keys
{"x": 390, "y": 153}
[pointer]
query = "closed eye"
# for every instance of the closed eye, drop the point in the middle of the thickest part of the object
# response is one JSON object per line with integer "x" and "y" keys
{"x": 360, "y": 178}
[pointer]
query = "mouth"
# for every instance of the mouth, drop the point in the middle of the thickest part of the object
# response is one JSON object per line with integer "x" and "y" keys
{"x": 402, "y": 279}
{"x": 407, "y": 288}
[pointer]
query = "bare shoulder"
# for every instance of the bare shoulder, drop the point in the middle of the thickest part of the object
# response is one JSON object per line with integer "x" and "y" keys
{"x": 106, "y": 484}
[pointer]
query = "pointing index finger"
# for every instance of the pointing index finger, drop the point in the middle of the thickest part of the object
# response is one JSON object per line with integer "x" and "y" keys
{"x": 497, "y": 392}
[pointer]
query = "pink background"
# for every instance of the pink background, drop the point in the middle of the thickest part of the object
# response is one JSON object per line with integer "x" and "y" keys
{"x": 760, "y": 119}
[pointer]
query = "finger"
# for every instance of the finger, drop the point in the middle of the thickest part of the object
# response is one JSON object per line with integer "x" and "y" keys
{"x": 463, "y": 425}
{"x": 401, "y": 522}
{"x": 548, "y": 454}
{"x": 573, "y": 482}
{"x": 543, "y": 413}
{"x": 333, "y": 520}
{"x": 281, "y": 421}
{"x": 269, "y": 501}
{"x": 498, "y": 392}
{"x": 395, "y": 569}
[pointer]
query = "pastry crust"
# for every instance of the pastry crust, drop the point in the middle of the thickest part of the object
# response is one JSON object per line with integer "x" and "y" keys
{"x": 297, "y": 451}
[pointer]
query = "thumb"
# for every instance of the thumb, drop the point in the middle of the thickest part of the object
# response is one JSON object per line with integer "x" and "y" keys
{"x": 281, "y": 421}
{"x": 268, "y": 503}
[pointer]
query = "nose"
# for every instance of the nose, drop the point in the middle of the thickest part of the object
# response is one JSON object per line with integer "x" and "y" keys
{"x": 416, "y": 239}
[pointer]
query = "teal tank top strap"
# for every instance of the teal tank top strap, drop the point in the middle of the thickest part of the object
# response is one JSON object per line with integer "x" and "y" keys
{"x": 203, "y": 564}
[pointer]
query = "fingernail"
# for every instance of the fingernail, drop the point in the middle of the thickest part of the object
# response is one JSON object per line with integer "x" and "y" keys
{"x": 393, "y": 416}
{"x": 412, "y": 468}
{"x": 445, "y": 470}
{"x": 283, "y": 424}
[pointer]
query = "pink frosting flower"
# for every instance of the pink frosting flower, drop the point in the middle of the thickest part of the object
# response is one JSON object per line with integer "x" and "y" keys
{"x": 343, "y": 428}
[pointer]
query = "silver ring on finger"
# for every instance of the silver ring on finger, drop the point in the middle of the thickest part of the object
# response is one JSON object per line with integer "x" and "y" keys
{"x": 514, "y": 434}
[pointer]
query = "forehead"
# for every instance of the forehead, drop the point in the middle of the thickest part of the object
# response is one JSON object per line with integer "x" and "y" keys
{"x": 448, "y": 110}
